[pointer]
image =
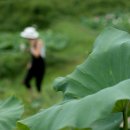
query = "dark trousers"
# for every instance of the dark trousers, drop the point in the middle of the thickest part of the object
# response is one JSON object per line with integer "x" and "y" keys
{"x": 37, "y": 72}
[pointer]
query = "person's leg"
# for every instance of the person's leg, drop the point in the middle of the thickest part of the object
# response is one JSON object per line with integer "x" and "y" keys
{"x": 39, "y": 78}
{"x": 40, "y": 73}
{"x": 28, "y": 78}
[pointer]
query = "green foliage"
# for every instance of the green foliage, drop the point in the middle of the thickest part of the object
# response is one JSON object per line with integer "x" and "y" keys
{"x": 90, "y": 100}
{"x": 79, "y": 37}
{"x": 12, "y": 57}
{"x": 118, "y": 20}
{"x": 10, "y": 111}
{"x": 9, "y": 41}
{"x": 12, "y": 64}
{"x": 21, "y": 13}
{"x": 55, "y": 41}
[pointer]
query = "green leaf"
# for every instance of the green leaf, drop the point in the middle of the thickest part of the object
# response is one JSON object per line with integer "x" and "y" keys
{"x": 10, "y": 111}
{"x": 97, "y": 88}
{"x": 107, "y": 65}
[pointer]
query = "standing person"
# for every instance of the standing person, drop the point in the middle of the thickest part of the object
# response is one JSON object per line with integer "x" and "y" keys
{"x": 36, "y": 68}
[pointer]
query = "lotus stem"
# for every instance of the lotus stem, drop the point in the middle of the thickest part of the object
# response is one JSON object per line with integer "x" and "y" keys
{"x": 125, "y": 116}
{"x": 125, "y": 122}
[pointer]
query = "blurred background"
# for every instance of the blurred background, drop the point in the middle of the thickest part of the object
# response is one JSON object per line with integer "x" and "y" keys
{"x": 68, "y": 28}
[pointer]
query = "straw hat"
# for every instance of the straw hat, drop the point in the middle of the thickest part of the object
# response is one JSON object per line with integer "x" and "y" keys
{"x": 30, "y": 33}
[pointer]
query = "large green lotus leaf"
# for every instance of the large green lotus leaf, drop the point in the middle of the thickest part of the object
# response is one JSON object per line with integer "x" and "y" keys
{"x": 94, "y": 111}
{"x": 10, "y": 111}
{"x": 107, "y": 65}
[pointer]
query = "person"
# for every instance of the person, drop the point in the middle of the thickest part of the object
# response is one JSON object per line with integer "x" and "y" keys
{"x": 36, "y": 68}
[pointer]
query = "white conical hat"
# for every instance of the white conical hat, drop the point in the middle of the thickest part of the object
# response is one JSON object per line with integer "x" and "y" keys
{"x": 30, "y": 33}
